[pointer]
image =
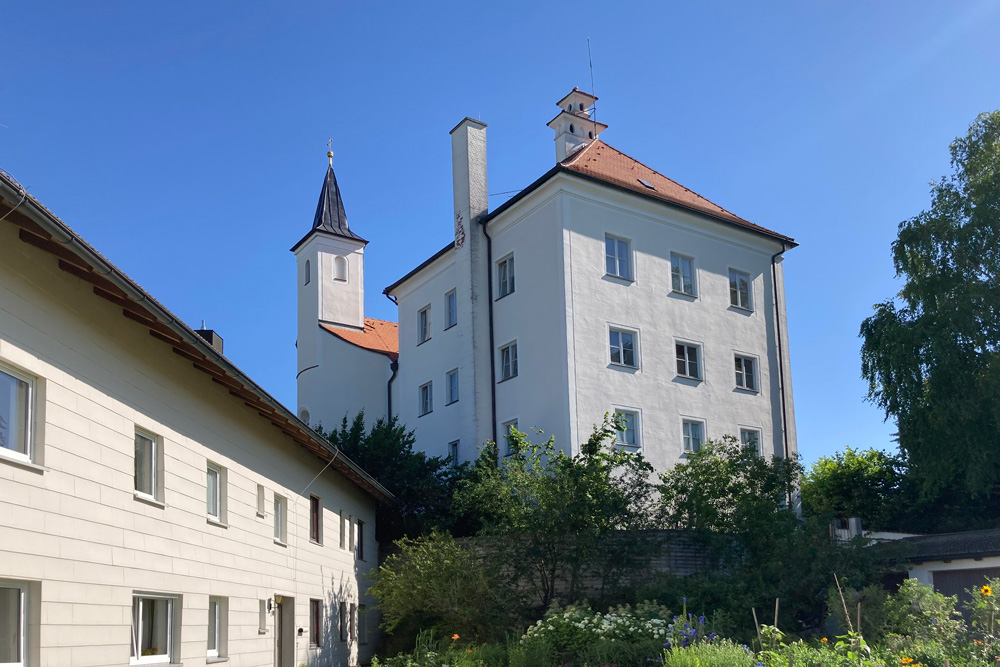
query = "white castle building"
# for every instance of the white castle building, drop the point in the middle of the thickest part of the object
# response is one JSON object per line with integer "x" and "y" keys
{"x": 603, "y": 286}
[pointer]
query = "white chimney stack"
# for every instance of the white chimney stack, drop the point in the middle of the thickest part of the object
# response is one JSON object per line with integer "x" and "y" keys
{"x": 573, "y": 126}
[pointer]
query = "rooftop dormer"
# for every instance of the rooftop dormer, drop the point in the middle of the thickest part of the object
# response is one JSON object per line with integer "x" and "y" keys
{"x": 573, "y": 126}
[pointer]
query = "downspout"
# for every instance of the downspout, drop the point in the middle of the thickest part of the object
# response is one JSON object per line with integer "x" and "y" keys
{"x": 394, "y": 367}
{"x": 493, "y": 361}
{"x": 781, "y": 356}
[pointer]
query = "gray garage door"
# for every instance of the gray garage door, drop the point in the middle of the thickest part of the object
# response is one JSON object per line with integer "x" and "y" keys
{"x": 956, "y": 582}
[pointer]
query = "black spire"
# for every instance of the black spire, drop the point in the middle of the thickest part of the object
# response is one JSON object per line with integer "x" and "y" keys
{"x": 330, "y": 215}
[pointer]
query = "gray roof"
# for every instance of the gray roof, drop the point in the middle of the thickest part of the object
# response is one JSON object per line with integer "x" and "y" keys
{"x": 952, "y": 546}
{"x": 330, "y": 216}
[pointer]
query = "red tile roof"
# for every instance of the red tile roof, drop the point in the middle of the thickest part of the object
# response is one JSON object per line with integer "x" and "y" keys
{"x": 378, "y": 336}
{"x": 604, "y": 163}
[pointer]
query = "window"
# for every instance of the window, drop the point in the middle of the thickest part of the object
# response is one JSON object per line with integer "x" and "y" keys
{"x": 694, "y": 435}
{"x": 343, "y": 530}
{"x": 746, "y": 373}
{"x": 262, "y": 617}
{"x": 315, "y": 622}
{"x": 13, "y": 623}
{"x": 280, "y": 519}
{"x": 682, "y": 274}
{"x": 218, "y": 623}
{"x": 426, "y": 399}
{"x": 148, "y": 466}
{"x": 452, "y": 386}
{"x": 508, "y": 429}
{"x": 214, "y": 492}
{"x": 350, "y": 525}
{"x": 453, "y": 452}
{"x": 750, "y": 437}
{"x": 362, "y": 624}
{"x": 354, "y": 625}
{"x": 423, "y": 325}
{"x": 153, "y": 627}
{"x": 315, "y": 519}
{"x": 628, "y": 432}
{"x": 739, "y": 289}
{"x": 261, "y": 506}
{"x": 342, "y": 621}
{"x": 508, "y": 361}
{"x": 505, "y": 276}
{"x": 340, "y": 268}
{"x": 15, "y": 414}
{"x": 450, "y": 309}
{"x": 623, "y": 348}
{"x": 308, "y": 273}
{"x": 687, "y": 360}
{"x": 618, "y": 257}
{"x": 359, "y": 551}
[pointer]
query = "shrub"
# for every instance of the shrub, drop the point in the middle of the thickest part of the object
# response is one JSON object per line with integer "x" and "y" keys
{"x": 723, "y": 653}
{"x": 571, "y": 630}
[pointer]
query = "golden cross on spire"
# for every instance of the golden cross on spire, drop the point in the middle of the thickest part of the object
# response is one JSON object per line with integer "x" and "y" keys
{"x": 329, "y": 152}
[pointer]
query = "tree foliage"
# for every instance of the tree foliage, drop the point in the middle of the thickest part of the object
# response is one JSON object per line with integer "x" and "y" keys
{"x": 931, "y": 356}
{"x": 424, "y": 485}
{"x": 864, "y": 483}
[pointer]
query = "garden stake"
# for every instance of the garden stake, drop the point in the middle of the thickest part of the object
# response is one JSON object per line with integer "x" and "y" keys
{"x": 776, "y": 601}
{"x": 847, "y": 614}
{"x": 760, "y": 639}
{"x": 859, "y": 617}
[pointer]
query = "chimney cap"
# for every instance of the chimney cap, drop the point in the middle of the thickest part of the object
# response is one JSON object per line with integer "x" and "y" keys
{"x": 465, "y": 120}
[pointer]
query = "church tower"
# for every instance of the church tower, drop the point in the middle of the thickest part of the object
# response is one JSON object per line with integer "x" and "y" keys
{"x": 329, "y": 277}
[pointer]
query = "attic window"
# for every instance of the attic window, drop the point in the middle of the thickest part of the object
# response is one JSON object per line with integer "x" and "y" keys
{"x": 647, "y": 184}
{"x": 590, "y": 134}
{"x": 581, "y": 106}
{"x": 572, "y": 130}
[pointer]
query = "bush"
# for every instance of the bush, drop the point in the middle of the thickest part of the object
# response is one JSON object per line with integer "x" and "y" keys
{"x": 571, "y": 630}
{"x": 723, "y": 653}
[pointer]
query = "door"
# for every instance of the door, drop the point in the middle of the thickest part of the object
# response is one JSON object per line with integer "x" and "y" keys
{"x": 284, "y": 631}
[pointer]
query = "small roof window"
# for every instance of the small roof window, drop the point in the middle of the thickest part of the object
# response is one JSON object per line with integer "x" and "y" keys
{"x": 647, "y": 184}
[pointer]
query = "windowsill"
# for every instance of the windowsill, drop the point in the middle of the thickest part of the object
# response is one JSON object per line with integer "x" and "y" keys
{"x": 504, "y": 296}
{"x": 450, "y": 326}
{"x": 149, "y": 500}
{"x": 210, "y": 661}
{"x": 23, "y": 463}
{"x": 684, "y": 295}
{"x": 740, "y": 309}
{"x": 423, "y": 341}
{"x": 216, "y": 522}
{"x": 451, "y": 402}
{"x": 261, "y": 515}
{"x": 619, "y": 279}
{"x": 261, "y": 632}
{"x": 423, "y": 414}
{"x": 623, "y": 367}
{"x": 506, "y": 379}
{"x": 746, "y": 390}
{"x": 280, "y": 543}
{"x": 316, "y": 542}
{"x": 688, "y": 378}
{"x": 133, "y": 663}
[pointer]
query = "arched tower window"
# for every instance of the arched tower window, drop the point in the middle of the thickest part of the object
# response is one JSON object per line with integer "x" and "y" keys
{"x": 340, "y": 268}
{"x": 308, "y": 274}
{"x": 304, "y": 415}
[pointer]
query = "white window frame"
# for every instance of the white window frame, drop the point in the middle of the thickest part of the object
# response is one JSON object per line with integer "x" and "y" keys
{"x": 505, "y": 278}
{"x": 424, "y": 325}
{"x": 173, "y": 603}
{"x": 359, "y": 542}
{"x": 28, "y": 455}
{"x": 451, "y": 390}
{"x": 699, "y": 362}
{"x": 156, "y": 463}
{"x": 734, "y": 277}
{"x": 506, "y": 428}
{"x": 453, "y": 452}
{"x": 450, "y": 309}
{"x": 217, "y": 469}
{"x": 508, "y": 366}
{"x": 677, "y": 273}
{"x": 613, "y": 263}
{"x": 425, "y": 399}
{"x": 745, "y": 430}
{"x": 343, "y": 622}
{"x": 741, "y": 359}
{"x": 22, "y": 630}
{"x": 318, "y": 538}
{"x": 261, "y": 501}
{"x": 280, "y": 519}
{"x": 261, "y": 617}
{"x": 622, "y": 436}
{"x": 687, "y": 438}
{"x": 343, "y": 530}
{"x": 315, "y": 623}
{"x": 221, "y": 626}
{"x": 634, "y": 333}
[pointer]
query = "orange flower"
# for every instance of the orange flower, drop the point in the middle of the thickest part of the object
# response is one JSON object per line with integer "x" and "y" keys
{"x": 823, "y": 640}
{"x": 906, "y": 661}
{"x": 454, "y": 636}
{"x": 468, "y": 650}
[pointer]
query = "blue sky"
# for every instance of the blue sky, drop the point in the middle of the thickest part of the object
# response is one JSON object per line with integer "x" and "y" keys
{"x": 186, "y": 141}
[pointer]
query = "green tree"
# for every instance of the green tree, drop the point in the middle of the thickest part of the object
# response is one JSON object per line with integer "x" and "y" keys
{"x": 562, "y": 519}
{"x": 930, "y": 355}
{"x": 863, "y": 483}
{"x": 424, "y": 485}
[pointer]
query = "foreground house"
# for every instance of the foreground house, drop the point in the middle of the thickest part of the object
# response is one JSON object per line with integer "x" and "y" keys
{"x": 158, "y": 506}
{"x": 603, "y": 286}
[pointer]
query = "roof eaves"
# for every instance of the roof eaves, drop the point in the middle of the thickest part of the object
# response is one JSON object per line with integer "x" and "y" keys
{"x": 64, "y": 235}
{"x": 327, "y": 232}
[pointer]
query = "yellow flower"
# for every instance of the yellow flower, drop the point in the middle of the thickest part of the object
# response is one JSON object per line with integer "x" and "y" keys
{"x": 454, "y": 636}
{"x": 906, "y": 661}
{"x": 823, "y": 640}
{"x": 986, "y": 590}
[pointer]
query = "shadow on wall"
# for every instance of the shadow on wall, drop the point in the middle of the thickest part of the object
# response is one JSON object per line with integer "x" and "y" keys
{"x": 339, "y": 631}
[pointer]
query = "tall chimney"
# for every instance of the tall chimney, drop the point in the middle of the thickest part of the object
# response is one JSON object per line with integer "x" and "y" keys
{"x": 468, "y": 163}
